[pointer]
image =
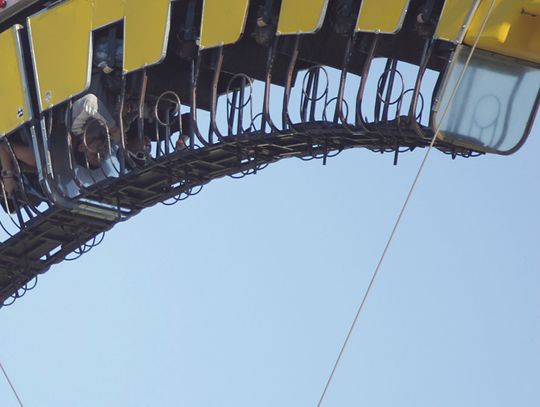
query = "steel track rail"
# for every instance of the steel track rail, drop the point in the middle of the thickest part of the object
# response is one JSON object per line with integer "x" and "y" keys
{"x": 53, "y": 235}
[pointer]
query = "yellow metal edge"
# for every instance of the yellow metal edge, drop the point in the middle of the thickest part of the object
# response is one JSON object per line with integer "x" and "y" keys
{"x": 23, "y": 80}
{"x": 498, "y": 42}
{"x": 166, "y": 36}
{"x": 23, "y": 74}
{"x": 398, "y": 27}
{"x": 322, "y": 16}
{"x": 34, "y": 67}
{"x": 221, "y": 44}
{"x": 464, "y": 27}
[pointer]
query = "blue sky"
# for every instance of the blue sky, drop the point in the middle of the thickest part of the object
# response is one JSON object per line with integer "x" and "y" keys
{"x": 243, "y": 294}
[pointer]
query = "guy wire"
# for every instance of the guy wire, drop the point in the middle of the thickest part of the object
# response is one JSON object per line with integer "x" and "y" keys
{"x": 403, "y": 209}
{"x": 11, "y": 385}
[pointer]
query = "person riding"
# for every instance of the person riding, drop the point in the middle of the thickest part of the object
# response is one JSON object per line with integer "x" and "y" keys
{"x": 95, "y": 159}
{"x": 102, "y": 96}
{"x": 18, "y": 167}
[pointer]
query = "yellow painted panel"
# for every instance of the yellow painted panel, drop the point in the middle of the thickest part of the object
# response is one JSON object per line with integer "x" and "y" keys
{"x": 146, "y": 32}
{"x": 513, "y": 28}
{"x": 454, "y": 19}
{"x": 382, "y": 16}
{"x": 61, "y": 47}
{"x": 107, "y": 11}
{"x": 222, "y": 22}
{"x": 301, "y": 16}
{"x": 14, "y": 105}
{"x": 61, "y": 38}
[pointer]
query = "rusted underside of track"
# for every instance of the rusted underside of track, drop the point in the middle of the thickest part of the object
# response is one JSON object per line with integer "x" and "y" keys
{"x": 63, "y": 232}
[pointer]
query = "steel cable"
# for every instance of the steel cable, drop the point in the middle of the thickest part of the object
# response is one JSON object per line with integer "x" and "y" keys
{"x": 11, "y": 385}
{"x": 403, "y": 209}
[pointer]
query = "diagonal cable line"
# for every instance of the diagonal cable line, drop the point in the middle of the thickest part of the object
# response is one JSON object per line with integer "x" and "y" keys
{"x": 403, "y": 210}
{"x": 11, "y": 385}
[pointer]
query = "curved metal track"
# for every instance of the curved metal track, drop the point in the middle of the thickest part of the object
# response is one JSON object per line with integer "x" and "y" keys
{"x": 56, "y": 233}
{"x": 316, "y": 114}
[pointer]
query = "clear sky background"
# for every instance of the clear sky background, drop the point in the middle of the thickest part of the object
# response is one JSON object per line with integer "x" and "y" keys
{"x": 242, "y": 295}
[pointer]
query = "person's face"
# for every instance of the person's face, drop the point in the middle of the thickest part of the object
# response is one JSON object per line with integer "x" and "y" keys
{"x": 135, "y": 146}
{"x": 147, "y": 145}
{"x": 95, "y": 149}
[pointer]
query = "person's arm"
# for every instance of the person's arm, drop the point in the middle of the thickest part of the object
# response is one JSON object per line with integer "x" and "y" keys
{"x": 25, "y": 154}
{"x": 116, "y": 135}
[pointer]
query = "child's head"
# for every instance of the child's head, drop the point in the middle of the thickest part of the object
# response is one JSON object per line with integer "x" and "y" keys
{"x": 91, "y": 146}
